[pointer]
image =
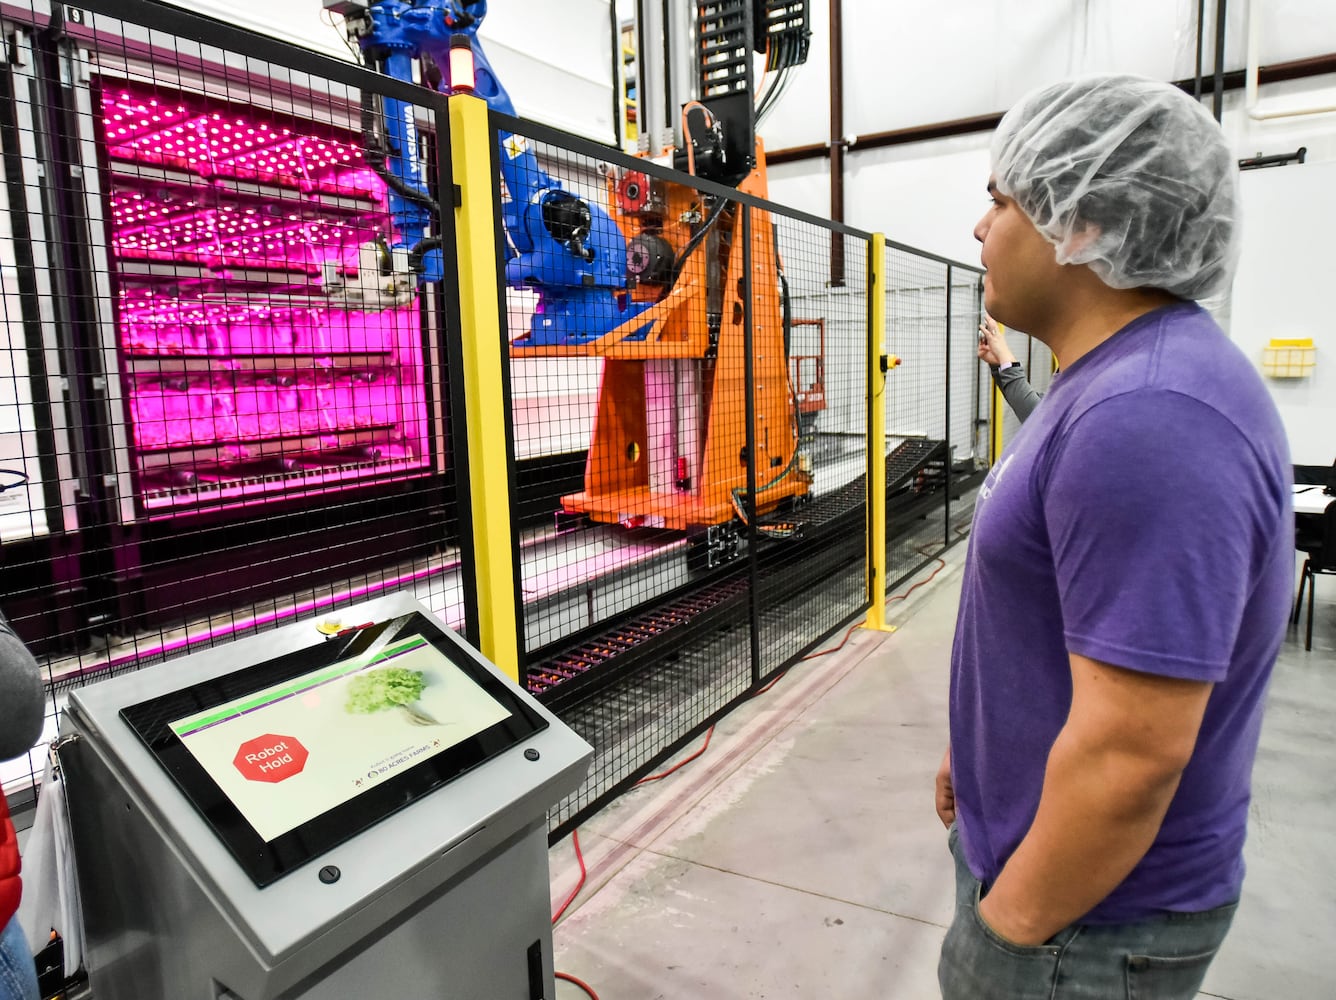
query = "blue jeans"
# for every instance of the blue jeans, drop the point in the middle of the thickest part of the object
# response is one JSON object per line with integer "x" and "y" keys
{"x": 18, "y": 971}
{"x": 1164, "y": 958}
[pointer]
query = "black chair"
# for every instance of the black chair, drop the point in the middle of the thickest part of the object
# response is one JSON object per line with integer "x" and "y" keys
{"x": 1319, "y": 548}
{"x": 1317, "y": 475}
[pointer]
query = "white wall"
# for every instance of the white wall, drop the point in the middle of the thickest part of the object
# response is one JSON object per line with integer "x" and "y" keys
{"x": 295, "y": 21}
{"x": 935, "y": 62}
{"x": 1283, "y": 289}
{"x": 554, "y": 59}
{"x": 920, "y": 61}
{"x": 930, "y": 194}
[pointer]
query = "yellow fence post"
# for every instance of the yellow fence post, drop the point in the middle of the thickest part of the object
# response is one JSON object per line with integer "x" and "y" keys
{"x": 995, "y": 416}
{"x": 878, "y": 365}
{"x": 487, "y": 477}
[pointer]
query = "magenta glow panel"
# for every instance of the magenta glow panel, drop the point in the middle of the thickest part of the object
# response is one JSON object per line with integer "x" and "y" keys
{"x": 242, "y": 384}
{"x": 276, "y": 236}
{"x": 161, "y": 323}
{"x": 142, "y": 128}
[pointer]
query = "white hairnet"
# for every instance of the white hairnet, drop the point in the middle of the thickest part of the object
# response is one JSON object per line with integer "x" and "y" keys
{"x": 1128, "y": 175}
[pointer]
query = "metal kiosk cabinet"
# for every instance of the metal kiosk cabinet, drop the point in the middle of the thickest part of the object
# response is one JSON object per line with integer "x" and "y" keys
{"x": 298, "y": 817}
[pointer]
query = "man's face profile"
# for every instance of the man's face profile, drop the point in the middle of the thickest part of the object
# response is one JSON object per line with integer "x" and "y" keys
{"x": 1020, "y": 264}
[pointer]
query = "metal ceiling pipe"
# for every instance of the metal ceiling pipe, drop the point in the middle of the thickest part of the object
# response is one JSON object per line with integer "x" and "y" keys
{"x": 1218, "y": 91}
{"x": 1298, "y": 69}
{"x": 836, "y": 140}
{"x": 1253, "y": 70}
{"x": 1201, "y": 33}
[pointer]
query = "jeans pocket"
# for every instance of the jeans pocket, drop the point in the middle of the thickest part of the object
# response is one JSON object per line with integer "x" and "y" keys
{"x": 1185, "y": 944}
{"x": 978, "y": 964}
{"x": 1153, "y": 977}
{"x": 1047, "y": 950}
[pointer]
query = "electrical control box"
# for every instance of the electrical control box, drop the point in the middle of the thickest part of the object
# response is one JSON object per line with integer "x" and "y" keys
{"x": 306, "y": 816}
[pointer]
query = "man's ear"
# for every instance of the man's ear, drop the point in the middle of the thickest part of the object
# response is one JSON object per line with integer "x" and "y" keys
{"x": 1082, "y": 238}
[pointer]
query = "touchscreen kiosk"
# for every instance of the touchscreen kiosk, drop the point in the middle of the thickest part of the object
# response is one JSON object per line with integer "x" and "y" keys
{"x": 300, "y": 816}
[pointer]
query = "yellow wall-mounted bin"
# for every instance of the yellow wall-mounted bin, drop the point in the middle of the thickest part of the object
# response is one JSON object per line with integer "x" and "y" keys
{"x": 1288, "y": 358}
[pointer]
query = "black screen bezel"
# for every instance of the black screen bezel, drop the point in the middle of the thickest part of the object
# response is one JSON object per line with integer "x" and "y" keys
{"x": 264, "y": 862}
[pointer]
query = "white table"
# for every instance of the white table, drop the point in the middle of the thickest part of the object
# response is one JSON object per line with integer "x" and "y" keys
{"x": 1310, "y": 499}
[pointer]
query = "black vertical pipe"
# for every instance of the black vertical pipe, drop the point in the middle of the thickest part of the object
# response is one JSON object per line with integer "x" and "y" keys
{"x": 107, "y": 556}
{"x": 452, "y": 345}
{"x": 25, "y": 276}
{"x": 47, "y": 620}
{"x": 836, "y": 141}
{"x": 946, "y": 510}
{"x": 618, "y": 80}
{"x": 1218, "y": 86}
{"x": 669, "y": 112}
{"x": 1201, "y": 33}
{"x": 749, "y": 375}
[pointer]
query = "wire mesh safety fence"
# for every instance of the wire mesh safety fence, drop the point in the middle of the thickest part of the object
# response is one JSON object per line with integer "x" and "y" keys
{"x": 811, "y": 585}
{"x": 964, "y": 377}
{"x": 968, "y": 420}
{"x": 933, "y": 400}
{"x": 614, "y": 435}
{"x": 222, "y": 419}
{"x": 688, "y": 397}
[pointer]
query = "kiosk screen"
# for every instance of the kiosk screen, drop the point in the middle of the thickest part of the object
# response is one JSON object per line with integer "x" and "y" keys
{"x": 288, "y": 758}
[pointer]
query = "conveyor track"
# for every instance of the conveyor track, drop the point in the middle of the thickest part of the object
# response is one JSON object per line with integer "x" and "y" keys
{"x": 564, "y": 669}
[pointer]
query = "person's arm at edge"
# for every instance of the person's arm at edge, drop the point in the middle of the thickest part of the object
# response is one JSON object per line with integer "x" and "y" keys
{"x": 22, "y": 698}
{"x": 1020, "y": 395}
{"x": 1112, "y": 773}
{"x": 993, "y": 348}
{"x": 1015, "y": 387}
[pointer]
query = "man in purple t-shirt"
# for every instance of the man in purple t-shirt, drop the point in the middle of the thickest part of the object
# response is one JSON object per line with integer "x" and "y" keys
{"x": 1128, "y": 577}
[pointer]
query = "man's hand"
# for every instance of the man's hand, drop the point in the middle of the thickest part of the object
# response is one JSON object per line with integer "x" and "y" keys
{"x": 946, "y": 794}
{"x": 1003, "y": 928}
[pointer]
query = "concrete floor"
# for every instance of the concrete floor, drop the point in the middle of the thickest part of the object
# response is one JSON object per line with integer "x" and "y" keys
{"x": 800, "y": 855}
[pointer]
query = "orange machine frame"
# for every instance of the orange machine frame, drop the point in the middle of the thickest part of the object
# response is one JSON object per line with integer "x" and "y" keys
{"x": 617, "y": 481}
{"x": 808, "y": 371}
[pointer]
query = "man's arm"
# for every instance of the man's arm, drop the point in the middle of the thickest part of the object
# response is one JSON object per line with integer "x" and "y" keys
{"x": 1112, "y": 772}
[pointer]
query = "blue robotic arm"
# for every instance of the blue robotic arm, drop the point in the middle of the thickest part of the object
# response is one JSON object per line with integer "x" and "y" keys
{"x": 565, "y": 247}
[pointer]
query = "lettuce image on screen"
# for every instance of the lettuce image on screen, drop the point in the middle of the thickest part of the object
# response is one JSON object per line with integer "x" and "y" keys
{"x": 387, "y": 688}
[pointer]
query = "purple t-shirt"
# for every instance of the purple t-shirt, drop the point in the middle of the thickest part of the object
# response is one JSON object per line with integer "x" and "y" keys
{"x": 1141, "y": 517}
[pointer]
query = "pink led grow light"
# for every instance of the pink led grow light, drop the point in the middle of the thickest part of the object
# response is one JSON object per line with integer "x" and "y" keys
{"x": 288, "y": 395}
{"x": 147, "y": 129}
{"x": 278, "y": 235}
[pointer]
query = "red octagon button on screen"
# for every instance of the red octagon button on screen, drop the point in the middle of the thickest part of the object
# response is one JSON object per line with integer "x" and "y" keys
{"x": 270, "y": 758}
